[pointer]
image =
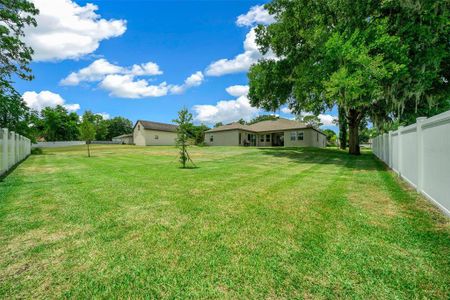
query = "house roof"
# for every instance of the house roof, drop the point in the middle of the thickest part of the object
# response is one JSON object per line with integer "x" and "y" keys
{"x": 231, "y": 126}
{"x": 123, "y": 136}
{"x": 265, "y": 126}
{"x": 157, "y": 126}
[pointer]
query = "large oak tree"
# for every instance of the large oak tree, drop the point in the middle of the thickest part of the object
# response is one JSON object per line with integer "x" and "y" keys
{"x": 369, "y": 58}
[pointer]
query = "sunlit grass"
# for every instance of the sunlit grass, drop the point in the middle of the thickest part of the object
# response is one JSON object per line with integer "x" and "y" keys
{"x": 247, "y": 223}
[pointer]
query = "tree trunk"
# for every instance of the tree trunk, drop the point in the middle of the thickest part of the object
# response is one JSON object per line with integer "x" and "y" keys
{"x": 342, "y": 128}
{"x": 353, "y": 125}
{"x": 89, "y": 150}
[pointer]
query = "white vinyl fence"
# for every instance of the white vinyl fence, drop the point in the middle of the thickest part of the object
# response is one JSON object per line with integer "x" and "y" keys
{"x": 58, "y": 144}
{"x": 13, "y": 149}
{"x": 420, "y": 154}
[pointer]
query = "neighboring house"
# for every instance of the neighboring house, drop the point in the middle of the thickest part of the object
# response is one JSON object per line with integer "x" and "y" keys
{"x": 147, "y": 133}
{"x": 124, "y": 139}
{"x": 280, "y": 132}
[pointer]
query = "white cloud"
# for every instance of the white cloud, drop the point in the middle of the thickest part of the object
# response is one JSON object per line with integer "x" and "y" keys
{"x": 94, "y": 72}
{"x": 237, "y": 90}
{"x": 149, "y": 68}
{"x": 72, "y": 107}
{"x": 104, "y": 115}
{"x": 327, "y": 120}
{"x": 38, "y": 101}
{"x": 122, "y": 82}
{"x": 67, "y": 30}
{"x": 286, "y": 110}
{"x": 227, "y": 111}
{"x": 100, "y": 68}
{"x": 195, "y": 79}
{"x": 126, "y": 86}
{"x": 241, "y": 62}
{"x": 256, "y": 15}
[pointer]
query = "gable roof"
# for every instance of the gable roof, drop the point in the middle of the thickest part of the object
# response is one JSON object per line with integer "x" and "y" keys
{"x": 278, "y": 124}
{"x": 123, "y": 136}
{"x": 264, "y": 126}
{"x": 150, "y": 125}
{"x": 231, "y": 126}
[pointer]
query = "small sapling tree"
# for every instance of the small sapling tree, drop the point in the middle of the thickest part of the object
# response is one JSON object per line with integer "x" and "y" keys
{"x": 184, "y": 122}
{"x": 87, "y": 133}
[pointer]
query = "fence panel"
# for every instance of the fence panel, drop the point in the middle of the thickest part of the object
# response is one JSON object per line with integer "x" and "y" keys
{"x": 13, "y": 149}
{"x": 58, "y": 144}
{"x": 420, "y": 154}
{"x": 436, "y": 159}
{"x": 395, "y": 148}
{"x": 409, "y": 155}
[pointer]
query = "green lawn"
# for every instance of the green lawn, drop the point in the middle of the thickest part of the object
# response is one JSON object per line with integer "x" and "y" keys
{"x": 247, "y": 223}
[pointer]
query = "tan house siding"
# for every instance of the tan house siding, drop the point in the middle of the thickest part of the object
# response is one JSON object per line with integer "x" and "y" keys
{"x": 265, "y": 134}
{"x": 311, "y": 138}
{"x": 222, "y": 138}
{"x": 146, "y": 137}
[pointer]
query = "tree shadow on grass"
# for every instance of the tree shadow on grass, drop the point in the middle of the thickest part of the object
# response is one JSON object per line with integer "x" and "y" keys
{"x": 365, "y": 161}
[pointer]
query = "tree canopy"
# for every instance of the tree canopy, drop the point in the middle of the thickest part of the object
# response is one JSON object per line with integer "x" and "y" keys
{"x": 366, "y": 57}
{"x": 15, "y": 55}
{"x": 261, "y": 118}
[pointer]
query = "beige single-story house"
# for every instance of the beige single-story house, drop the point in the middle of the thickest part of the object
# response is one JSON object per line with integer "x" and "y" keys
{"x": 280, "y": 132}
{"x": 148, "y": 133}
{"x": 126, "y": 139}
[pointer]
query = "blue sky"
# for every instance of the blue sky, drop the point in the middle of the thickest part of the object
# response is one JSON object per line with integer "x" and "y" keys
{"x": 146, "y": 59}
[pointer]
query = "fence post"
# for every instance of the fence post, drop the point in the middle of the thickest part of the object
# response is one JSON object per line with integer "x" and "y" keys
{"x": 420, "y": 168}
{"x": 400, "y": 151}
{"x": 390, "y": 150}
{"x": 17, "y": 148}
{"x": 12, "y": 152}
{"x": 5, "y": 156}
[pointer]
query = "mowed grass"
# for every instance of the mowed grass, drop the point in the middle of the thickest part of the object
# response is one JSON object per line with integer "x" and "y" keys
{"x": 247, "y": 223}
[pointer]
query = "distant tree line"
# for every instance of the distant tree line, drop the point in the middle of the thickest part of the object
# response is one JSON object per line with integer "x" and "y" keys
{"x": 56, "y": 123}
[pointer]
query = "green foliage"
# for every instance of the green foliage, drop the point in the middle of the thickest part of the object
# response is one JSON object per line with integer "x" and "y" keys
{"x": 331, "y": 136}
{"x": 36, "y": 151}
{"x": 241, "y": 121}
{"x": 262, "y": 118}
{"x": 57, "y": 124}
{"x": 311, "y": 120}
{"x": 118, "y": 126}
{"x": 87, "y": 130}
{"x": 197, "y": 133}
{"x": 218, "y": 124}
{"x": 184, "y": 122}
{"x": 371, "y": 59}
{"x": 14, "y": 54}
{"x": 15, "y": 115}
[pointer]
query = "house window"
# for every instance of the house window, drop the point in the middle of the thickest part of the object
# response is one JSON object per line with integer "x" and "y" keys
{"x": 267, "y": 137}
{"x": 156, "y": 137}
{"x": 240, "y": 138}
{"x": 249, "y": 137}
{"x": 300, "y": 136}
{"x": 139, "y": 127}
{"x": 261, "y": 138}
{"x": 211, "y": 138}
{"x": 293, "y": 135}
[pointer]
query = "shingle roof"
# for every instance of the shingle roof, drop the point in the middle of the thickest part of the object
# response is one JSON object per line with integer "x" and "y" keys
{"x": 123, "y": 136}
{"x": 278, "y": 124}
{"x": 158, "y": 126}
{"x": 231, "y": 126}
{"x": 263, "y": 126}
